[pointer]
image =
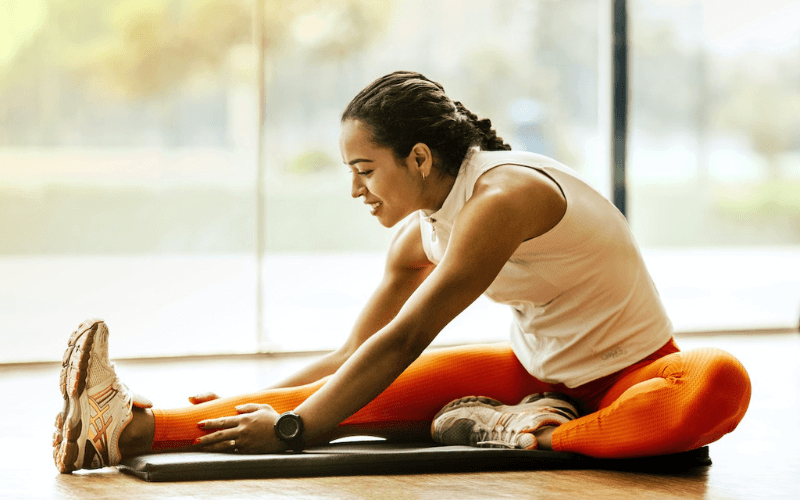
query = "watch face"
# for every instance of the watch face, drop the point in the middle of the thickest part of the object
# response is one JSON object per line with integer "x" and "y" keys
{"x": 288, "y": 427}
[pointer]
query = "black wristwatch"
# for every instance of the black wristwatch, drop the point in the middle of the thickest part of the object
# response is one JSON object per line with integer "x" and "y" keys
{"x": 289, "y": 429}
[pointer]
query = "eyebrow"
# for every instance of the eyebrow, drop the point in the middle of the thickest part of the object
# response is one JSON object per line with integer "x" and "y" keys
{"x": 359, "y": 160}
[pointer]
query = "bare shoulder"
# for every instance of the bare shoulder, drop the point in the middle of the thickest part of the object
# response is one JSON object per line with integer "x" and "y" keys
{"x": 523, "y": 192}
{"x": 406, "y": 251}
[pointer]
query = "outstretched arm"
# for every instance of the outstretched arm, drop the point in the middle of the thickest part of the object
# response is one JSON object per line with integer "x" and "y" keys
{"x": 506, "y": 209}
{"x": 503, "y": 212}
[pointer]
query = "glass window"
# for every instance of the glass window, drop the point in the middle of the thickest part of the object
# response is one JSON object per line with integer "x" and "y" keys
{"x": 129, "y": 157}
{"x": 529, "y": 66}
{"x": 714, "y": 158}
{"x": 127, "y": 167}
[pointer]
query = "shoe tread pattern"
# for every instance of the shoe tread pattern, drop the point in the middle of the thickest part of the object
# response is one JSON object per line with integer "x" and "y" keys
{"x": 468, "y": 401}
{"x": 72, "y": 382}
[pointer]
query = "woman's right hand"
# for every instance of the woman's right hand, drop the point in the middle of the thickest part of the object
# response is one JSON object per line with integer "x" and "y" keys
{"x": 202, "y": 398}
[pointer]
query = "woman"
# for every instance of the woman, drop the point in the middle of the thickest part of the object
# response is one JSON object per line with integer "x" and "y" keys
{"x": 590, "y": 334}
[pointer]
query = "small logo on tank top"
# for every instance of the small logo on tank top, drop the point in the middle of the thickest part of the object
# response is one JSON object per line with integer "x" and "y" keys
{"x": 613, "y": 353}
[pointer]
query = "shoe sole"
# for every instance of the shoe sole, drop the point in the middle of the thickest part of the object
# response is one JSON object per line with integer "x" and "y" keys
{"x": 486, "y": 401}
{"x": 74, "y": 368}
{"x": 468, "y": 401}
{"x": 559, "y": 400}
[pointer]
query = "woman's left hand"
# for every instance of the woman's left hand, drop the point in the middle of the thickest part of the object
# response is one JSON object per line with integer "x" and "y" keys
{"x": 252, "y": 431}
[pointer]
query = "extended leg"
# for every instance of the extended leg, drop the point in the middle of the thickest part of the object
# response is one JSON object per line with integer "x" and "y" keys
{"x": 405, "y": 408}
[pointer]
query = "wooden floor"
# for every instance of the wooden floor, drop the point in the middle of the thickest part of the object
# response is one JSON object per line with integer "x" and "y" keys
{"x": 761, "y": 459}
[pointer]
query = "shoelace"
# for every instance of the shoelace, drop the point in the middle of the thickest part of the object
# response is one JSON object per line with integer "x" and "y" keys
{"x": 500, "y": 434}
{"x": 489, "y": 444}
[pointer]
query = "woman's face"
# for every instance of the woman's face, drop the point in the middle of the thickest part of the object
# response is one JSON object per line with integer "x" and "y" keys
{"x": 391, "y": 188}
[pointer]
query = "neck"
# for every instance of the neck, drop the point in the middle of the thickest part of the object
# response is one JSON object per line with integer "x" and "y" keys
{"x": 436, "y": 188}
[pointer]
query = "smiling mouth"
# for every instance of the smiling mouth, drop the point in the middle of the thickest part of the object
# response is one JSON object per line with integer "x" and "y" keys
{"x": 375, "y": 206}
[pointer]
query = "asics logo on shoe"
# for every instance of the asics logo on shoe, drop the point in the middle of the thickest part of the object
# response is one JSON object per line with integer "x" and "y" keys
{"x": 100, "y": 423}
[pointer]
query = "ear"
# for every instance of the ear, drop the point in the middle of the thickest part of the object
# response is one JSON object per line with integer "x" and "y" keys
{"x": 420, "y": 159}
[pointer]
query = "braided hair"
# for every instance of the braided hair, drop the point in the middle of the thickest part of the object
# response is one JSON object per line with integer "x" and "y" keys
{"x": 404, "y": 108}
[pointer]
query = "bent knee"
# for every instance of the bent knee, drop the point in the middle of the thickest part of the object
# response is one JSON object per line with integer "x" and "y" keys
{"x": 721, "y": 387}
{"x": 727, "y": 375}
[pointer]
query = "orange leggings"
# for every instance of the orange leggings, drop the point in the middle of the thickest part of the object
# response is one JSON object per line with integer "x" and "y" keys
{"x": 669, "y": 402}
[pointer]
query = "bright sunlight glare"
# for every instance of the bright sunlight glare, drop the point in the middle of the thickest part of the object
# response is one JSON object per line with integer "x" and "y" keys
{"x": 20, "y": 20}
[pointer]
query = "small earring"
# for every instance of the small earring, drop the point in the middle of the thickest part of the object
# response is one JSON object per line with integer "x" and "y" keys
{"x": 424, "y": 176}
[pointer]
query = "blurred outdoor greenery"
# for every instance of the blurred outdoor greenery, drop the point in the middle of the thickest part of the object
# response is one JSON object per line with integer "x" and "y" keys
{"x": 715, "y": 137}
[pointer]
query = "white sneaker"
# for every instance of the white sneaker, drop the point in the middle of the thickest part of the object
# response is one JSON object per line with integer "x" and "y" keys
{"x": 97, "y": 406}
{"x": 488, "y": 423}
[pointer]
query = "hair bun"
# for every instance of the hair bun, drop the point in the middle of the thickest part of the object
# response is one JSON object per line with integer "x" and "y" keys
{"x": 405, "y": 108}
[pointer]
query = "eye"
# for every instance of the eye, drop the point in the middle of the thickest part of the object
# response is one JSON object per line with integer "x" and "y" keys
{"x": 365, "y": 173}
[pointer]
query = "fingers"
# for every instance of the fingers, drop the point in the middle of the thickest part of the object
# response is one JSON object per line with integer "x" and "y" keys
{"x": 140, "y": 401}
{"x": 252, "y": 430}
{"x": 219, "y": 423}
{"x": 251, "y": 407}
{"x": 223, "y": 439}
{"x": 220, "y": 441}
{"x": 203, "y": 398}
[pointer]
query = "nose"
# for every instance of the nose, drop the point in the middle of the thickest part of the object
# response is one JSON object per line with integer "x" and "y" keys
{"x": 357, "y": 189}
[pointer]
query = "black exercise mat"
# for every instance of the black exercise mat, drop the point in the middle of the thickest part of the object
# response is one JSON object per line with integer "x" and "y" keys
{"x": 386, "y": 458}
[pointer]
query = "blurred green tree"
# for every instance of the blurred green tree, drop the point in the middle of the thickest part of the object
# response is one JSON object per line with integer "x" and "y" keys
{"x": 145, "y": 47}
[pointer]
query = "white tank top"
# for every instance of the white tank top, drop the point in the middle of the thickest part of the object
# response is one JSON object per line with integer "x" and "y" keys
{"x": 583, "y": 302}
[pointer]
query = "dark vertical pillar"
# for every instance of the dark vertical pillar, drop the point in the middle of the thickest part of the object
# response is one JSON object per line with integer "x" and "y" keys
{"x": 619, "y": 105}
